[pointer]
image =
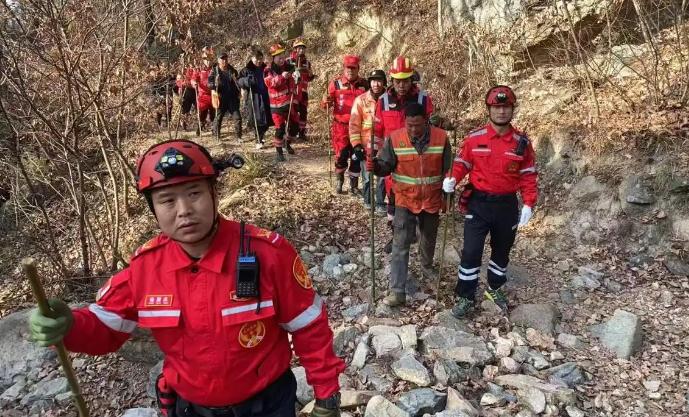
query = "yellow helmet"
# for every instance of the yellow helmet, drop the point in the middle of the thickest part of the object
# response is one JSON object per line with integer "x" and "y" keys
{"x": 298, "y": 42}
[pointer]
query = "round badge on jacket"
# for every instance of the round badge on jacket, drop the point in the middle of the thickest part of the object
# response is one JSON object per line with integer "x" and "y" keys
{"x": 251, "y": 334}
{"x": 301, "y": 274}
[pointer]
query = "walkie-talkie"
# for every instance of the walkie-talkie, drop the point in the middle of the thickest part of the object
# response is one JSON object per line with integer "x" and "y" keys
{"x": 247, "y": 267}
{"x": 522, "y": 143}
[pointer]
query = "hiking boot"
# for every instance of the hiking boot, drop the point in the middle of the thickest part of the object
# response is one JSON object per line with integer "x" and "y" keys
{"x": 302, "y": 134}
{"x": 289, "y": 148}
{"x": 354, "y": 186}
{"x": 367, "y": 206}
{"x": 280, "y": 157}
{"x": 498, "y": 297}
{"x": 388, "y": 247}
{"x": 395, "y": 299}
{"x": 259, "y": 146}
{"x": 462, "y": 307}
{"x": 340, "y": 183}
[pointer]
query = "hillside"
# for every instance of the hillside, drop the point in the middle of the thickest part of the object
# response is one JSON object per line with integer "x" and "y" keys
{"x": 602, "y": 89}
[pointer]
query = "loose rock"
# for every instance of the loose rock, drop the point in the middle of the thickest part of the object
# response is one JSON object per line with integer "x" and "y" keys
{"x": 456, "y": 402}
{"x": 421, "y": 401}
{"x": 410, "y": 369}
{"x": 140, "y": 412}
{"x": 533, "y": 398}
{"x": 622, "y": 333}
{"x": 542, "y": 317}
{"x": 378, "y": 406}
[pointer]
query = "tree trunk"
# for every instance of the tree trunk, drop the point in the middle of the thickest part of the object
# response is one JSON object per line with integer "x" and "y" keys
{"x": 149, "y": 25}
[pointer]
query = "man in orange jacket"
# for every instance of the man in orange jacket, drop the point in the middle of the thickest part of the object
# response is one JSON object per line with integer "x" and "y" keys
{"x": 220, "y": 319}
{"x": 361, "y": 134}
{"x": 418, "y": 156}
{"x": 500, "y": 161}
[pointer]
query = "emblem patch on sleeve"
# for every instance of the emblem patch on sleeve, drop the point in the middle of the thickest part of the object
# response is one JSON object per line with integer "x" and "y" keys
{"x": 300, "y": 274}
{"x": 512, "y": 167}
{"x": 251, "y": 334}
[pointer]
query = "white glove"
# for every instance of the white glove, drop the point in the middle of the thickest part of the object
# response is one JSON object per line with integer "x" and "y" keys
{"x": 449, "y": 184}
{"x": 297, "y": 76}
{"x": 285, "y": 74}
{"x": 526, "y": 216}
{"x": 354, "y": 158}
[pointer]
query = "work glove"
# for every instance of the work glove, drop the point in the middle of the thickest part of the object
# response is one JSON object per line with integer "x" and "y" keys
{"x": 527, "y": 212}
{"x": 358, "y": 153}
{"x": 370, "y": 164}
{"x": 297, "y": 76}
{"x": 285, "y": 74}
{"x": 47, "y": 331}
{"x": 324, "y": 412}
{"x": 449, "y": 184}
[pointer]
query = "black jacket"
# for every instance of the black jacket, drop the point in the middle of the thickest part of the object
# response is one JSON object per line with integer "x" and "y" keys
{"x": 225, "y": 82}
{"x": 251, "y": 79}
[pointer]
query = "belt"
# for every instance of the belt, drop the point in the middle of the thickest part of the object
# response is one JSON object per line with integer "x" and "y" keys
{"x": 494, "y": 198}
{"x": 255, "y": 403}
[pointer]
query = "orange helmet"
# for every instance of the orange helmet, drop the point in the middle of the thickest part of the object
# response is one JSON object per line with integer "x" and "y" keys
{"x": 276, "y": 49}
{"x": 401, "y": 68}
{"x": 298, "y": 42}
{"x": 501, "y": 95}
{"x": 173, "y": 162}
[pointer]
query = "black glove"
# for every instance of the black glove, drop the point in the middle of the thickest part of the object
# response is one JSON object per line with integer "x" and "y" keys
{"x": 251, "y": 80}
{"x": 358, "y": 153}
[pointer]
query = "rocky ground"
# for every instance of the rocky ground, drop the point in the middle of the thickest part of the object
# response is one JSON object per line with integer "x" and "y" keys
{"x": 589, "y": 333}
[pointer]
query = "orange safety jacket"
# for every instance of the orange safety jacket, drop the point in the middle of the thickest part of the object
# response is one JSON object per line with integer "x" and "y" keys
{"x": 361, "y": 122}
{"x": 418, "y": 178}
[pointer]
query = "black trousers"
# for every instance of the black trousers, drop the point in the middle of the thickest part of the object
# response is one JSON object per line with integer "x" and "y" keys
{"x": 232, "y": 113}
{"x": 344, "y": 159}
{"x": 499, "y": 216}
{"x": 276, "y": 400}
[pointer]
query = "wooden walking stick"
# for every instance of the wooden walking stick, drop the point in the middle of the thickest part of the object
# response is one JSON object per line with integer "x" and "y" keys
{"x": 330, "y": 147}
{"x": 29, "y": 267}
{"x": 253, "y": 112}
{"x": 448, "y": 217}
{"x": 372, "y": 189}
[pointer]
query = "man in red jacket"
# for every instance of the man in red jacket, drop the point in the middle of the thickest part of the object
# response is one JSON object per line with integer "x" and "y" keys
{"x": 340, "y": 98}
{"x": 203, "y": 91}
{"x": 220, "y": 319}
{"x": 301, "y": 64}
{"x": 500, "y": 161}
{"x": 282, "y": 86}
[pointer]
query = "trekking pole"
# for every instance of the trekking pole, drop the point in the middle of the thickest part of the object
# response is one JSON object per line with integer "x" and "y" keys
{"x": 446, "y": 227}
{"x": 253, "y": 112}
{"x": 198, "y": 111}
{"x": 448, "y": 217}
{"x": 372, "y": 190}
{"x": 29, "y": 267}
{"x": 330, "y": 147}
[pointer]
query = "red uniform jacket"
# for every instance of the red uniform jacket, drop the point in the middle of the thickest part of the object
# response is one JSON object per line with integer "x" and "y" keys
{"x": 390, "y": 110}
{"x": 280, "y": 89}
{"x": 202, "y": 90}
{"x": 493, "y": 167}
{"x": 219, "y": 350}
{"x": 342, "y": 93}
{"x": 304, "y": 66}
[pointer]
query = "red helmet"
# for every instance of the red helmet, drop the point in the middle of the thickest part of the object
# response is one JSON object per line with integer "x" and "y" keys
{"x": 401, "y": 68}
{"x": 501, "y": 95}
{"x": 173, "y": 162}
